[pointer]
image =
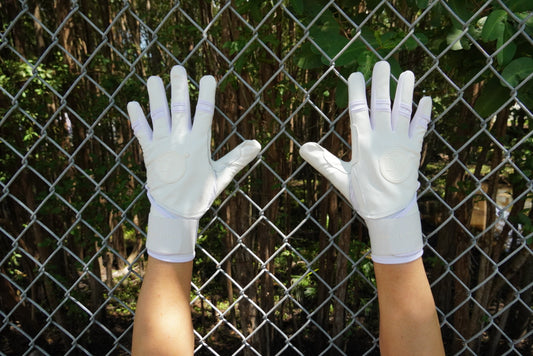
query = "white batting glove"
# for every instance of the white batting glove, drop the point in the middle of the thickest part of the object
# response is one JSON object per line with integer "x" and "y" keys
{"x": 182, "y": 179}
{"x": 380, "y": 181}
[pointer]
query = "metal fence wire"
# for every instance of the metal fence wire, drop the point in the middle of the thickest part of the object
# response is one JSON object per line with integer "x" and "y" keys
{"x": 282, "y": 263}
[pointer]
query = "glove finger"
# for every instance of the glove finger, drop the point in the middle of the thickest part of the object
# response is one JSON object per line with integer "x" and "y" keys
{"x": 420, "y": 121}
{"x": 380, "y": 112}
{"x": 358, "y": 107}
{"x": 228, "y": 166}
{"x": 139, "y": 124}
{"x": 158, "y": 108}
{"x": 179, "y": 102}
{"x": 205, "y": 108}
{"x": 403, "y": 100}
{"x": 330, "y": 166}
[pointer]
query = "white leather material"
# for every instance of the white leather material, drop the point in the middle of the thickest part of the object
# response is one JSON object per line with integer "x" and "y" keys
{"x": 182, "y": 179}
{"x": 380, "y": 180}
{"x": 397, "y": 235}
{"x": 171, "y": 239}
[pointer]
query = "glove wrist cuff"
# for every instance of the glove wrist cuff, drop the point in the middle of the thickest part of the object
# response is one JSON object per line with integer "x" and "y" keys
{"x": 171, "y": 239}
{"x": 396, "y": 239}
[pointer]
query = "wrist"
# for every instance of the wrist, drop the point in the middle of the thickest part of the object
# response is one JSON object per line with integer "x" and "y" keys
{"x": 171, "y": 239}
{"x": 398, "y": 238}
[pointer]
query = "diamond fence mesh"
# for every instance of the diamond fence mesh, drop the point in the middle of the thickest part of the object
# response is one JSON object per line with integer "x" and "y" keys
{"x": 282, "y": 262}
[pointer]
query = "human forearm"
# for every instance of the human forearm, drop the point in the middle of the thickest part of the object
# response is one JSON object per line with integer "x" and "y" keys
{"x": 408, "y": 319}
{"x": 162, "y": 323}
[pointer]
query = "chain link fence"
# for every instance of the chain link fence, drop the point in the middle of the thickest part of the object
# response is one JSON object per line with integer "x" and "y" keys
{"x": 282, "y": 262}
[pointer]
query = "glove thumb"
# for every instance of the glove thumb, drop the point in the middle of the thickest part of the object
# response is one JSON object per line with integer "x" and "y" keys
{"x": 333, "y": 168}
{"x": 228, "y": 166}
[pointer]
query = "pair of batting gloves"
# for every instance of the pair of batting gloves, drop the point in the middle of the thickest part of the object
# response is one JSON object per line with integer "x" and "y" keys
{"x": 380, "y": 181}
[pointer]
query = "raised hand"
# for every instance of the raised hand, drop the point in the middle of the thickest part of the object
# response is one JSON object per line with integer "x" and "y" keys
{"x": 380, "y": 181}
{"x": 182, "y": 179}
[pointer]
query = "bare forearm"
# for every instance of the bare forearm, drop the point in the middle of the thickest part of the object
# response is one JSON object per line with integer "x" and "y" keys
{"x": 408, "y": 319}
{"x": 163, "y": 323}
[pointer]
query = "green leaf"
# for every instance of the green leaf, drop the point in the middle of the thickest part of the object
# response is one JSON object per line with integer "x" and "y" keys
{"x": 494, "y": 26}
{"x": 333, "y": 48}
{"x": 525, "y": 94}
{"x": 519, "y": 5}
{"x": 365, "y": 63}
{"x": 476, "y": 28}
{"x": 328, "y": 38}
{"x": 410, "y": 43}
{"x": 528, "y": 19}
{"x": 461, "y": 8}
{"x": 422, "y": 4}
{"x": 507, "y": 53}
{"x": 422, "y": 37}
{"x": 517, "y": 70}
{"x": 349, "y": 56}
{"x": 492, "y": 96}
{"x": 455, "y": 35}
{"x": 387, "y": 40}
{"x": 298, "y": 6}
{"x": 524, "y": 220}
{"x": 307, "y": 59}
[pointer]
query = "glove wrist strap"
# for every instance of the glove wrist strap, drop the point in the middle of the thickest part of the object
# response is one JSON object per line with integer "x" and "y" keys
{"x": 171, "y": 239}
{"x": 396, "y": 239}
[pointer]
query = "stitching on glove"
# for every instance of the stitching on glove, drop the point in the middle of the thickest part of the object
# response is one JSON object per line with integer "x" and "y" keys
{"x": 355, "y": 191}
{"x": 405, "y": 210}
{"x": 425, "y": 119}
{"x": 358, "y": 106}
{"x": 138, "y": 127}
{"x": 164, "y": 212}
{"x": 158, "y": 207}
{"x": 405, "y": 110}
{"x": 205, "y": 106}
{"x": 382, "y": 105}
{"x": 178, "y": 107}
{"x": 158, "y": 114}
